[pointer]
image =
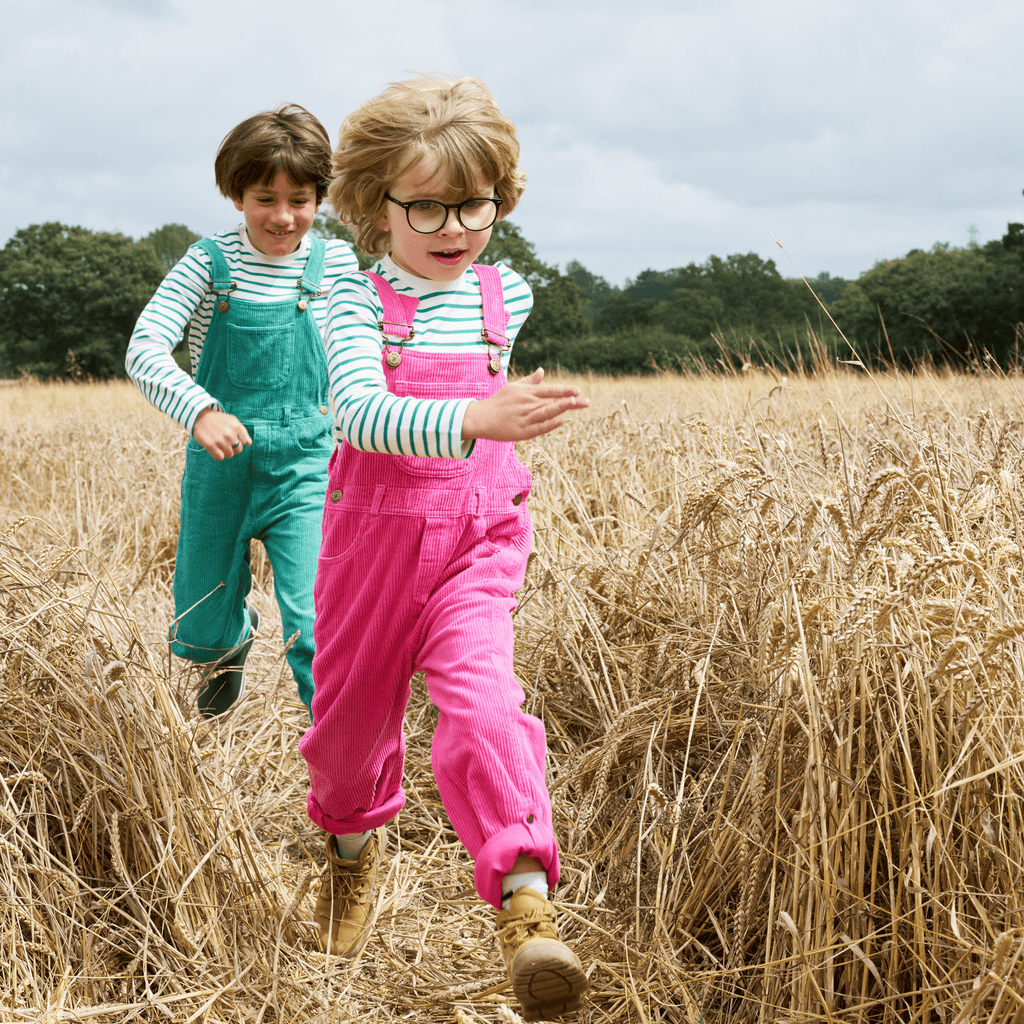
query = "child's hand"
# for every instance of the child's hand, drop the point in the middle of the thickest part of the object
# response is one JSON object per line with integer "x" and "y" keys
{"x": 520, "y": 411}
{"x": 220, "y": 433}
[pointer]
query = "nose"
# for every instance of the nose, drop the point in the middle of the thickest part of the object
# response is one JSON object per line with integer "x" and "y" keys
{"x": 282, "y": 214}
{"x": 452, "y": 224}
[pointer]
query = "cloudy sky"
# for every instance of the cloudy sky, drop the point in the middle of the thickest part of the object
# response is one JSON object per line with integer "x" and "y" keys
{"x": 653, "y": 134}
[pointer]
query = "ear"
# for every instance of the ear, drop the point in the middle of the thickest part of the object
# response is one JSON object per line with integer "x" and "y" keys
{"x": 238, "y": 205}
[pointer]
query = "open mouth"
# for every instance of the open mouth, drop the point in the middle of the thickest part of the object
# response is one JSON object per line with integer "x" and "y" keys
{"x": 449, "y": 255}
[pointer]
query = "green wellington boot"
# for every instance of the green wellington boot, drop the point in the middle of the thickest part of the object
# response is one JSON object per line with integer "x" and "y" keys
{"x": 224, "y": 681}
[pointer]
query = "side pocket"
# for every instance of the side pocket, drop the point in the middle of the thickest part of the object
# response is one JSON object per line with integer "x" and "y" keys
{"x": 341, "y": 531}
{"x": 314, "y": 434}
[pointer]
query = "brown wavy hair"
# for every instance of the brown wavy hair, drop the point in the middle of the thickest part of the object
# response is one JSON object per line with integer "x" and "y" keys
{"x": 457, "y": 123}
{"x": 288, "y": 139}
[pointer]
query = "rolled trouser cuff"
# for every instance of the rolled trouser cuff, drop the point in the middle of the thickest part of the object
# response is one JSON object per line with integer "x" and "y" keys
{"x": 499, "y": 854}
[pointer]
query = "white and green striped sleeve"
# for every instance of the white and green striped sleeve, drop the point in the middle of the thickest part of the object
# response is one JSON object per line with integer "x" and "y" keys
{"x": 160, "y": 327}
{"x": 370, "y": 417}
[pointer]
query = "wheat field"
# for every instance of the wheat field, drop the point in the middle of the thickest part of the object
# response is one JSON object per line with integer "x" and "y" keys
{"x": 771, "y": 625}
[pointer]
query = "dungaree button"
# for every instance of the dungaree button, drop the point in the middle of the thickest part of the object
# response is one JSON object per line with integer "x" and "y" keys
{"x": 335, "y": 496}
{"x": 324, "y": 409}
{"x": 517, "y": 499}
{"x": 529, "y": 819}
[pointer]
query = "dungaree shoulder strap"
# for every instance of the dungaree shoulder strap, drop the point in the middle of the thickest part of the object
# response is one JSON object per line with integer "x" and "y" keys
{"x": 399, "y": 311}
{"x": 221, "y": 276}
{"x": 496, "y": 317}
{"x": 309, "y": 283}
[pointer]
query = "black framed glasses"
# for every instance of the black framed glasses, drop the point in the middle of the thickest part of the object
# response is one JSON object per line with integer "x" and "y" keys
{"x": 425, "y": 216}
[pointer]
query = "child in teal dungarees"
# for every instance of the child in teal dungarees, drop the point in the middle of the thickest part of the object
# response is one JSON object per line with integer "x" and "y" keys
{"x": 257, "y": 410}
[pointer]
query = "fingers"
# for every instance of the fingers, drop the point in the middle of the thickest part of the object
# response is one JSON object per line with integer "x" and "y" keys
{"x": 533, "y": 382}
{"x": 557, "y": 391}
{"x": 553, "y": 416}
{"x": 518, "y": 412}
{"x": 240, "y": 441}
{"x": 221, "y": 434}
{"x": 542, "y": 415}
{"x": 554, "y": 412}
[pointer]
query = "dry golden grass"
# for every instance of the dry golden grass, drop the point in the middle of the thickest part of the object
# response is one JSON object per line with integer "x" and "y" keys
{"x": 772, "y": 627}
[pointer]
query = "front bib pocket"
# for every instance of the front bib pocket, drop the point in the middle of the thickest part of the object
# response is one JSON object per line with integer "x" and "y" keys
{"x": 260, "y": 358}
{"x": 435, "y": 466}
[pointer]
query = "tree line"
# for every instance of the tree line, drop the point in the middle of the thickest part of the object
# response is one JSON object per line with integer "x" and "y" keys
{"x": 69, "y": 299}
{"x": 961, "y": 307}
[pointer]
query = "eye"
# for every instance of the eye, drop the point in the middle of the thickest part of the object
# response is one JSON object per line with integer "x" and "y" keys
{"x": 425, "y": 206}
{"x": 475, "y": 204}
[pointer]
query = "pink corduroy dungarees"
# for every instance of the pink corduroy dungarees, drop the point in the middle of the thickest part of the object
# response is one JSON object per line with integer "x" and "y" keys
{"x": 419, "y": 564}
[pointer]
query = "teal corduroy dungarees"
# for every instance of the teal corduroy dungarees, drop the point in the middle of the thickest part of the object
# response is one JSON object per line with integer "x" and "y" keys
{"x": 264, "y": 362}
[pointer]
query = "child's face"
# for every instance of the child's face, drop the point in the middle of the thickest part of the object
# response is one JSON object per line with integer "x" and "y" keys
{"x": 445, "y": 254}
{"x": 278, "y": 215}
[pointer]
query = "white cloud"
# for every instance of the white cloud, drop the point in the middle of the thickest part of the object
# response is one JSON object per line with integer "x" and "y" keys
{"x": 857, "y": 130}
{"x": 607, "y": 207}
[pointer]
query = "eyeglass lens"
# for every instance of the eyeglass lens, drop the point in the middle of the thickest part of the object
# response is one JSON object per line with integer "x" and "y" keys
{"x": 475, "y": 214}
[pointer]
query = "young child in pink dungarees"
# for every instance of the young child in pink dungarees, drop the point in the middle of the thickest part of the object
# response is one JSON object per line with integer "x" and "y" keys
{"x": 426, "y": 529}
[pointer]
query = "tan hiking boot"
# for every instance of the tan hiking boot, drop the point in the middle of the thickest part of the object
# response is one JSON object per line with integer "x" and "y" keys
{"x": 546, "y": 974}
{"x": 344, "y": 908}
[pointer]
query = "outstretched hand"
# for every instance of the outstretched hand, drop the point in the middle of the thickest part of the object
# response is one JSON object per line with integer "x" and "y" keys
{"x": 220, "y": 433}
{"x": 522, "y": 410}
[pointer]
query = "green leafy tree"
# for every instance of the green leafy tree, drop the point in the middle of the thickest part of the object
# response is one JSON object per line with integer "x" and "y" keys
{"x": 621, "y": 313}
{"x": 948, "y": 305}
{"x": 1010, "y": 246}
{"x": 69, "y": 299}
{"x": 742, "y": 290}
{"x": 641, "y": 350}
{"x": 689, "y": 311}
{"x": 1013, "y": 241}
{"x": 558, "y": 302}
{"x": 596, "y": 290}
{"x": 508, "y": 246}
{"x": 558, "y": 312}
{"x": 326, "y": 225}
{"x": 753, "y": 292}
{"x": 171, "y": 242}
{"x": 634, "y": 306}
{"x": 828, "y": 288}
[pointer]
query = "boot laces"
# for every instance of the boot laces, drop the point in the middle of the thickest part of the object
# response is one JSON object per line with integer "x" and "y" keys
{"x": 536, "y": 924}
{"x": 349, "y": 883}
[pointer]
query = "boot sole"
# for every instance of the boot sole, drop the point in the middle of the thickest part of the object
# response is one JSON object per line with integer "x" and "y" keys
{"x": 550, "y": 988}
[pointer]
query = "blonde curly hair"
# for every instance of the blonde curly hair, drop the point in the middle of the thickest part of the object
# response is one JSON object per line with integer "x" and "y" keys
{"x": 457, "y": 123}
